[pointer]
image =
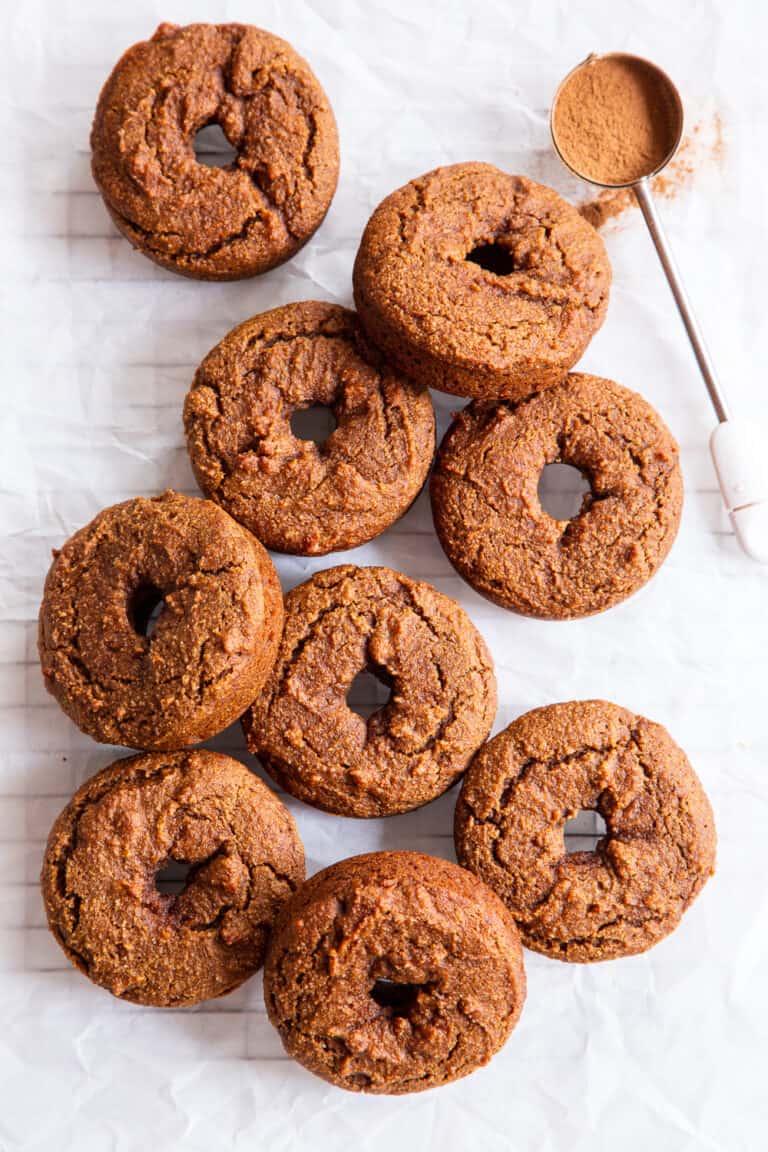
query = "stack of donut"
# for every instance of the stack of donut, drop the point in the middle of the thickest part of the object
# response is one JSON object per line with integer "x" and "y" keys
{"x": 163, "y": 621}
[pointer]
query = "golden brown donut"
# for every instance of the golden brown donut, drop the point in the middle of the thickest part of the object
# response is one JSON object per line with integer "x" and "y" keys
{"x": 394, "y": 972}
{"x": 126, "y": 825}
{"x": 443, "y": 693}
{"x": 213, "y": 644}
{"x": 215, "y": 223}
{"x": 294, "y": 495}
{"x": 494, "y": 531}
{"x": 656, "y": 856}
{"x": 481, "y": 283}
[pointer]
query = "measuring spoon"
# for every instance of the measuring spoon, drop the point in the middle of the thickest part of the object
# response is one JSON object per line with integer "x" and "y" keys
{"x": 738, "y": 452}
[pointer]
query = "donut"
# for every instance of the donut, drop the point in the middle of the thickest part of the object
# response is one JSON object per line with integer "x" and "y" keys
{"x": 494, "y": 531}
{"x": 294, "y": 495}
{"x": 656, "y": 855}
{"x": 421, "y": 645}
{"x": 122, "y": 829}
{"x": 394, "y": 972}
{"x": 481, "y": 283}
{"x": 215, "y": 223}
{"x": 213, "y": 643}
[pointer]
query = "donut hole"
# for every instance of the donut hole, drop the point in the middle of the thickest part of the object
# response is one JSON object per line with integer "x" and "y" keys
{"x": 583, "y": 831}
{"x": 172, "y": 878}
{"x": 211, "y": 147}
{"x": 315, "y": 422}
{"x": 493, "y": 258}
{"x": 145, "y": 606}
{"x": 370, "y": 691}
{"x": 561, "y": 490}
{"x": 396, "y": 998}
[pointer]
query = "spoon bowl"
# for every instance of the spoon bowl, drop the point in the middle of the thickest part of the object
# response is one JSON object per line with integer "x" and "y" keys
{"x": 665, "y": 94}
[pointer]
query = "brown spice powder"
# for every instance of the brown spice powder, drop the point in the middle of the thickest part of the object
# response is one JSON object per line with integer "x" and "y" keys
{"x": 614, "y": 122}
{"x": 705, "y": 145}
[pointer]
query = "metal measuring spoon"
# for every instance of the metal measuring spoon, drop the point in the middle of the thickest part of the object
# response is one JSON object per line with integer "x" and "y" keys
{"x": 738, "y": 452}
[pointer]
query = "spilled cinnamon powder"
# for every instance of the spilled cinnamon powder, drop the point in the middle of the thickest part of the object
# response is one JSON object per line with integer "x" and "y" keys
{"x": 615, "y": 119}
{"x": 705, "y": 144}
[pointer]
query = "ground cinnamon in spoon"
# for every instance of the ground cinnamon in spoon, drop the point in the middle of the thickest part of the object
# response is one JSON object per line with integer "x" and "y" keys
{"x": 614, "y": 120}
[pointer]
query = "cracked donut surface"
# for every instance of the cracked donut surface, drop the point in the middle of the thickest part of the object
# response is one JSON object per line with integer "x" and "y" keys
{"x": 129, "y": 821}
{"x": 443, "y": 693}
{"x": 295, "y": 495}
{"x": 394, "y": 972}
{"x": 657, "y": 853}
{"x": 214, "y": 640}
{"x": 215, "y": 223}
{"x": 486, "y": 508}
{"x": 502, "y": 330}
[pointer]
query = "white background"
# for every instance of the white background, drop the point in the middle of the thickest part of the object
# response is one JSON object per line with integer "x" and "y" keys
{"x": 664, "y": 1051}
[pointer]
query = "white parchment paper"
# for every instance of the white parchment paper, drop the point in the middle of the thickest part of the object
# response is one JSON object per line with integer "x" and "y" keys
{"x": 664, "y": 1051}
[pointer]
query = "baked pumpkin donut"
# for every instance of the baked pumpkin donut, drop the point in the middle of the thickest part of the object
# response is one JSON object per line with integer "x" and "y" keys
{"x": 494, "y": 531}
{"x": 123, "y": 680}
{"x": 293, "y": 494}
{"x": 481, "y": 283}
{"x": 421, "y": 644}
{"x": 394, "y": 972}
{"x": 656, "y": 855}
{"x": 114, "y": 840}
{"x": 215, "y": 223}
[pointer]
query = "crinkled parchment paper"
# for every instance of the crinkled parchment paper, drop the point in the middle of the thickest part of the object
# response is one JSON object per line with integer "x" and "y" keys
{"x": 663, "y": 1051}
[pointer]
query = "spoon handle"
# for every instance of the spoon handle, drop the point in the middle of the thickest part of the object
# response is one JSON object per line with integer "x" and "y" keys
{"x": 737, "y": 449}
{"x": 645, "y": 200}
